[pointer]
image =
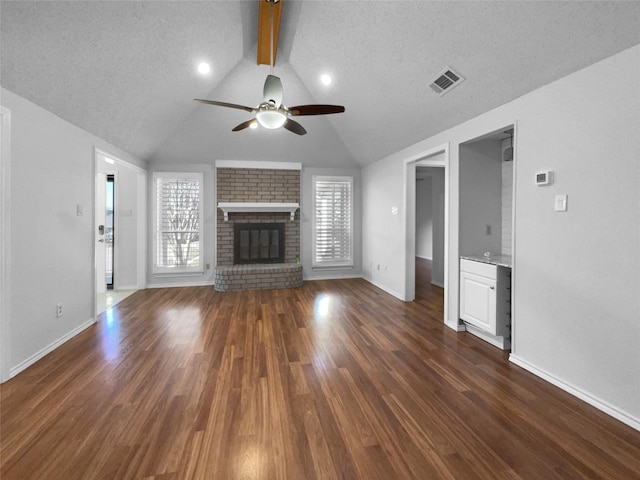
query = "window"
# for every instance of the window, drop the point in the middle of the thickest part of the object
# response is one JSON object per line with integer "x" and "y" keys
{"x": 178, "y": 222}
{"x": 333, "y": 221}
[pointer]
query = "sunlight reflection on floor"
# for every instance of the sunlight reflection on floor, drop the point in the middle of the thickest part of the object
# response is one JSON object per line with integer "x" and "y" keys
{"x": 110, "y": 298}
{"x": 111, "y": 335}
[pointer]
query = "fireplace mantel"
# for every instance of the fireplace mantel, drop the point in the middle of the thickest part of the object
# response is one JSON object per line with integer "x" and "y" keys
{"x": 247, "y": 207}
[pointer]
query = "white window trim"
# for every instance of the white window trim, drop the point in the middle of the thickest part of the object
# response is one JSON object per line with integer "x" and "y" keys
{"x": 332, "y": 265}
{"x": 164, "y": 271}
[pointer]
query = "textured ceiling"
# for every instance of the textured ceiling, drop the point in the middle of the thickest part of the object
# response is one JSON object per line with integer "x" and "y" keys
{"x": 125, "y": 71}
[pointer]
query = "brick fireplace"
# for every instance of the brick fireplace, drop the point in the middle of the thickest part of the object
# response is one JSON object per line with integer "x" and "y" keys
{"x": 263, "y": 187}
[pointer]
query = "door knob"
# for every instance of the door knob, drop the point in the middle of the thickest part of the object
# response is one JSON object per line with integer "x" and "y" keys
{"x": 492, "y": 288}
{"x": 102, "y": 240}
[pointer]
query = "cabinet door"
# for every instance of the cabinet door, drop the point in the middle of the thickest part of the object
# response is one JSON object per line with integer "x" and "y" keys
{"x": 478, "y": 301}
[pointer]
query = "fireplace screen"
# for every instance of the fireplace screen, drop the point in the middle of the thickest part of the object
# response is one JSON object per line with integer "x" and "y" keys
{"x": 258, "y": 243}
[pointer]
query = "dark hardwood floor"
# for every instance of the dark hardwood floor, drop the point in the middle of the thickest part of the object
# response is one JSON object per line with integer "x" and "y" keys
{"x": 333, "y": 380}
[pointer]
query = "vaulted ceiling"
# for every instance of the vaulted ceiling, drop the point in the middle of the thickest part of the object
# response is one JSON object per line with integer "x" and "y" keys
{"x": 126, "y": 71}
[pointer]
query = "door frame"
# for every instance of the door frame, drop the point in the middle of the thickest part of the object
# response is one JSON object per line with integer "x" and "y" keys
{"x": 99, "y": 254}
{"x": 425, "y": 158}
{"x": 141, "y": 206}
{"x": 484, "y": 132}
{"x": 5, "y": 245}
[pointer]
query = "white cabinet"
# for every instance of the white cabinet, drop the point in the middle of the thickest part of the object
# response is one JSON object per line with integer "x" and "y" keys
{"x": 485, "y": 296}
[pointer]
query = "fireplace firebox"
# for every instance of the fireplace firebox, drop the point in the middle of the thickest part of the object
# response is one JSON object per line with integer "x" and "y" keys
{"x": 258, "y": 243}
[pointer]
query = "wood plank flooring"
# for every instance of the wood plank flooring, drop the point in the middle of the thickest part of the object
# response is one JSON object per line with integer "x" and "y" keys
{"x": 333, "y": 380}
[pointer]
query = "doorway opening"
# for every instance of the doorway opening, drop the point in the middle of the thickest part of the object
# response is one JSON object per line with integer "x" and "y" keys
{"x": 109, "y": 232}
{"x": 429, "y": 254}
{"x": 119, "y": 230}
{"x": 419, "y": 273}
{"x": 486, "y": 193}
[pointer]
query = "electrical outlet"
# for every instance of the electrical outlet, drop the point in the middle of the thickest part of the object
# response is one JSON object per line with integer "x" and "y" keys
{"x": 489, "y": 229}
{"x": 378, "y": 266}
{"x": 58, "y": 310}
{"x": 208, "y": 266}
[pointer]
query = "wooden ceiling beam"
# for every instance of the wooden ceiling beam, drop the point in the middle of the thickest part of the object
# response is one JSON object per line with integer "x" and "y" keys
{"x": 264, "y": 30}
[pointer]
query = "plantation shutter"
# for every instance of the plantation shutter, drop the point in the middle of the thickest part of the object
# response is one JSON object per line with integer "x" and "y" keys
{"x": 333, "y": 232}
{"x": 178, "y": 222}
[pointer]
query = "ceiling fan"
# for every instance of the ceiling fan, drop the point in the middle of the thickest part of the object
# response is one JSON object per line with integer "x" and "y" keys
{"x": 271, "y": 113}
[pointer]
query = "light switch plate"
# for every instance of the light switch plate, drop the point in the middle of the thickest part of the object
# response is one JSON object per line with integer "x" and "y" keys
{"x": 394, "y": 210}
{"x": 561, "y": 203}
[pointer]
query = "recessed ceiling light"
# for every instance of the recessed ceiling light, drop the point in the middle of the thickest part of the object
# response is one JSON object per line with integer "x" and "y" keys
{"x": 204, "y": 68}
{"x": 325, "y": 79}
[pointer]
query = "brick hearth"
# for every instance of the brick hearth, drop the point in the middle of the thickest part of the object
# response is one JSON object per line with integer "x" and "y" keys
{"x": 258, "y": 276}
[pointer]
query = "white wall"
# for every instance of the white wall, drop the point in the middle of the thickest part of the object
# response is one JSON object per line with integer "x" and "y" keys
{"x": 207, "y": 277}
{"x": 306, "y": 219}
{"x": 382, "y": 240}
{"x": 52, "y": 251}
{"x": 480, "y": 197}
{"x": 576, "y": 274}
{"x": 424, "y": 216}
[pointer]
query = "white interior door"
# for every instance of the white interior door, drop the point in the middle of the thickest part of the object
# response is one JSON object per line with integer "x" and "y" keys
{"x": 101, "y": 219}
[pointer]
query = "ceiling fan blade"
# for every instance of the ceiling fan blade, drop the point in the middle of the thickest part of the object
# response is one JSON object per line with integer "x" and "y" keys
{"x": 294, "y": 127}
{"x": 315, "y": 109}
{"x": 243, "y": 125}
{"x": 272, "y": 91}
{"x": 225, "y": 104}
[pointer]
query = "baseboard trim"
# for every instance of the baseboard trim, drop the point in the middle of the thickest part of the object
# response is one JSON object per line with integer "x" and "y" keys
{"x": 424, "y": 258}
{"x": 438, "y": 284}
{"x": 601, "y": 405}
{"x": 312, "y": 278}
{"x": 382, "y": 287}
{"x": 125, "y": 287}
{"x": 500, "y": 342}
{"x": 49, "y": 348}
{"x": 456, "y": 326}
{"x": 209, "y": 283}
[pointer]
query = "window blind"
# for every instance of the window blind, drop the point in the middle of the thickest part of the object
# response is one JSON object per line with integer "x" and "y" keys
{"x": 333, "y": 222}
{"x": 178, "y": 222}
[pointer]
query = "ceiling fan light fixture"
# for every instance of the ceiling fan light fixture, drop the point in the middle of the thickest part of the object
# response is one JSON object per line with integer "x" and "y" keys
{"x": 271, "y": 119}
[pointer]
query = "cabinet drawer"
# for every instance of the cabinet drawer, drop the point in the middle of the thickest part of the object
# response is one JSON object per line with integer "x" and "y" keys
{"x": 478, "y": 268}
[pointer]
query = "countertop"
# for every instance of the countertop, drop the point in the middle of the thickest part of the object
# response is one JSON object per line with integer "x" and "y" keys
{"x": 500, "y": 260}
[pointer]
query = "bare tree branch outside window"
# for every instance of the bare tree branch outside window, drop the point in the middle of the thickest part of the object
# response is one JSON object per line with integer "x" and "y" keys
{"x": 179, "y": 222}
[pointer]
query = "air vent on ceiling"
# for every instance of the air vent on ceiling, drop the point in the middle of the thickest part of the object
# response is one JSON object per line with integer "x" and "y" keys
{"x": 446, "y": 81}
